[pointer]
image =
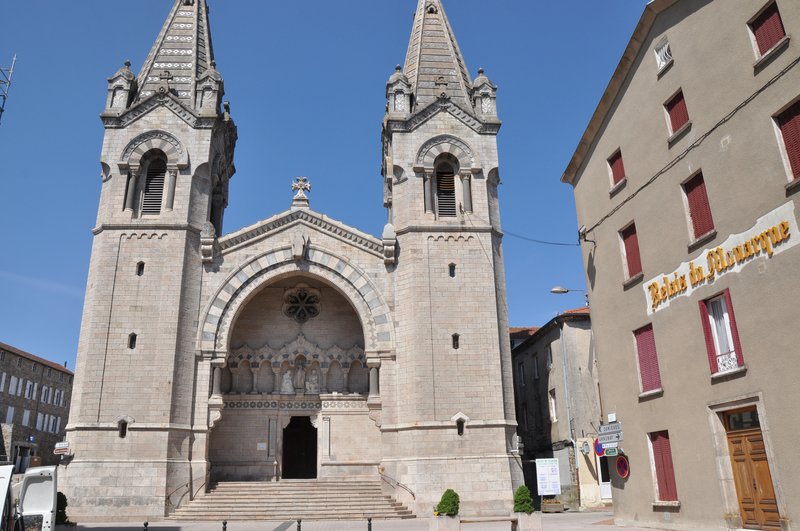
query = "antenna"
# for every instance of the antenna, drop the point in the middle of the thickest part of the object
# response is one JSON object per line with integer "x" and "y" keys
{"x": 6, "y": 74}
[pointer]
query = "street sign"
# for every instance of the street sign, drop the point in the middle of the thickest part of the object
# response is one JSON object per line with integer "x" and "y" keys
{"x": 548, "y": 478}
{"x": 614, "y": 427}
{"x": 61, "y": 448}
{"x": 610, "y": 438}
{"x": 598, "y": 448}
{"x": 612, "y": 452}
{"x": 623, "y": 467}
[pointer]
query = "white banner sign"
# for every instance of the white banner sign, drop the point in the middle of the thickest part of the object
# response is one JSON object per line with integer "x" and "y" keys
{"x": 772, "y": 234}
{"x": 548, "y": 479}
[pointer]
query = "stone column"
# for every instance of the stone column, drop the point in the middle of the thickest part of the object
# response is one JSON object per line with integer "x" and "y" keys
{"x": 133, "y": 177}
{"x": 428, "y": 185}
{"x": 374, "y": 382}
{"x": 216, "y": 388}
{"x": 466, "y": 191}
{"x": 346, "y": 386}
{"x": 323, "y": 386}
{"x": 172, "y": 179}
{"x": 255, "y": 372}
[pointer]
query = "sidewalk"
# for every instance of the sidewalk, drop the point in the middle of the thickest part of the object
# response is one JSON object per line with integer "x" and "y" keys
{"x": 599, "y": 521}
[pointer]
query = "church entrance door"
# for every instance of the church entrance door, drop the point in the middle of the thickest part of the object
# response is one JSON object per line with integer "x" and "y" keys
{"x": 300, "y": 449}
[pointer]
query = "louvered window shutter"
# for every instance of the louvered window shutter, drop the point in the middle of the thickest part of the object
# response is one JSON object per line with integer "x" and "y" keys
{"x": 631, "y": 243}
{"x": 154, "y": 187}
{"x": 665, "y": 472}
{"x": 446, "y": 194}
{"x": 737, "y": 345}
{"x": 699, "y": 209}
{"x": 678, "y": 113}
{"x": 789, "y": 122}
{"x": 768, "y": 29}
{"x": 648, "y": 359}
{"x": 617, "y": 167}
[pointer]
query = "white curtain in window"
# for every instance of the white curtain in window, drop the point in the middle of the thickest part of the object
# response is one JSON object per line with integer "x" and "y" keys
{"x": 718, "y": 314}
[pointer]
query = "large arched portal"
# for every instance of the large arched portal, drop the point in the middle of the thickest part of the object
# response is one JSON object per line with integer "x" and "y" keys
{"x": 297, "y": 342}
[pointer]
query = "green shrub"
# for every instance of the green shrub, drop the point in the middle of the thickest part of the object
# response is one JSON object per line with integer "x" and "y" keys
{"x": 448, "y": 504}
{"x": 523, "y": 502}
{"x": 61, "y": 509}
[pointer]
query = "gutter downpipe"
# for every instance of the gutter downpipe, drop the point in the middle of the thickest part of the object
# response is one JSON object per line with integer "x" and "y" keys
{"x": 570, "y": 433}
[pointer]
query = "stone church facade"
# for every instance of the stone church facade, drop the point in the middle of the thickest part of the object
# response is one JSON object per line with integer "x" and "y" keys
{"x": 298, "y": 347}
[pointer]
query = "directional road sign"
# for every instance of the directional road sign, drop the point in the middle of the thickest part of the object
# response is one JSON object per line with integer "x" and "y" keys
{"x": 610, "y": 438}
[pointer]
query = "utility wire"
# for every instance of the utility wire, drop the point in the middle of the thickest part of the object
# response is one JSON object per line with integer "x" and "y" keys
{"x": 697, "y": 142}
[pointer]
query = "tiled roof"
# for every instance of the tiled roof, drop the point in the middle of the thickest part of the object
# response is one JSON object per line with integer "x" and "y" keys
{"x": 47, "y": 363}
{"x": 522, "y": 332}
{"x": 577, "y": 311}
{"x": 434, "y": 63}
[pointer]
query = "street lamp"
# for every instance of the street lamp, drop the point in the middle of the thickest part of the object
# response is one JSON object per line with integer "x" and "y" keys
{"x": 560, "y": 290}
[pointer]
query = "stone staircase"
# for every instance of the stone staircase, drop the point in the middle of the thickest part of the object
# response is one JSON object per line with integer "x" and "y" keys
{"x": 292, "y": 500}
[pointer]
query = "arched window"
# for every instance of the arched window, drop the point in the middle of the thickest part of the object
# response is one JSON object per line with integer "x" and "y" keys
{"x": 154, "y": 186}
{"x": 445, "y": 191}
{"x": 122, "y": 426}
{"x": 452, "y": 271}
{"x": 132, "y": 341}
{"x": 456, "y": 341}
{"x": 140, "y": 269}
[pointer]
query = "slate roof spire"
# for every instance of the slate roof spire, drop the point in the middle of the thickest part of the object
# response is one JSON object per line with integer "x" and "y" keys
{"x": 434, "y": 65}
{"x": 181, "y": 55}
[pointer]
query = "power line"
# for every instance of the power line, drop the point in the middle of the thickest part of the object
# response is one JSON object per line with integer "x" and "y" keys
{"x": 540, "y": 242}
{"x": 6, "y": 75}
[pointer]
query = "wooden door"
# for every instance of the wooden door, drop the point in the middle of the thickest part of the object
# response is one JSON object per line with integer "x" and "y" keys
{"x": 759, "y": 508}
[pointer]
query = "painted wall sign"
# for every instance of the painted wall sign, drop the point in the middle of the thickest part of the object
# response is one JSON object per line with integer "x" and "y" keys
{"x": 772, "y": 234}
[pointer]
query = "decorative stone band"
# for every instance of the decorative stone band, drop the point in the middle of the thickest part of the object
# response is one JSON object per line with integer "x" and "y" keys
{"x": 772, "y": 234}
{"x": 161, "y": 140}
{"x": 491, "y": 127}
{"x": 349, "y": 279}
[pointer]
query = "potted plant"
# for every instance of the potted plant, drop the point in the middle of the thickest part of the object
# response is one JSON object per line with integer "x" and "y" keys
{"x": 445, "y": 516}
{"x": 552, "y": 505}
{"x": 527, "y": 520}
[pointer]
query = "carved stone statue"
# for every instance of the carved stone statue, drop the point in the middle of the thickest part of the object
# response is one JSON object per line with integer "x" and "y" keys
{"x": 312, "y": 383}
{"x": 300, "y": 377}
{"x": 287, "y": 388}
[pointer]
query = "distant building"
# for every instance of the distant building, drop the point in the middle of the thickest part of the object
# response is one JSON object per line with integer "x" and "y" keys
{"x": 558, "y": 405}
{"x": 35, "y": 396}
{"x": 686, "y": 185}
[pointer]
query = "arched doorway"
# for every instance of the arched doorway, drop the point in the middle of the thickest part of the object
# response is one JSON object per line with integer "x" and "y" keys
{"x": 300, "y": 449}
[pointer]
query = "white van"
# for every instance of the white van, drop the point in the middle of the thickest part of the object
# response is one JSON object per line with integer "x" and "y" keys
{"x": 36, "y": 495}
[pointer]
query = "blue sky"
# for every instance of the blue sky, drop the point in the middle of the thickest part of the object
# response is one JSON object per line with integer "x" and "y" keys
{"x": 306, "y": 82}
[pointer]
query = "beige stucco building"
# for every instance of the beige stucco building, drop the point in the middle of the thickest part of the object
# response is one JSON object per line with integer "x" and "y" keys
{"x": 298, "y": 347}
{"x": 686, "y": 190}
{"x": 558, "y": 407}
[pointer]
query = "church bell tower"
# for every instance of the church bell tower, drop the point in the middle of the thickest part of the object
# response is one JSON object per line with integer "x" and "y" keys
{"x": 452, "y": 402}
{"x": 167, "y": 159}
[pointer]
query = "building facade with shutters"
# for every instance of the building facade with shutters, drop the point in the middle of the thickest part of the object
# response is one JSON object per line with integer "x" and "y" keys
{"x": 35, "y": 397}
{"x": 297, "y": 347}
{"x": 686, "y": 185}
{"x": 558, "y": 407}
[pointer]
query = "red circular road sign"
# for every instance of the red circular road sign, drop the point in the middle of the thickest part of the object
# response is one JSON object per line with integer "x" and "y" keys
{"x": 598, "y": 448}
{"x": 623, "y": 467}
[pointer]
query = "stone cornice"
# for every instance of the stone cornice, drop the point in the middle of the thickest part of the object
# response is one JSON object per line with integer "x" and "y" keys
{"x": 113, "y": 121}
{"x": 149, "y": 227}
{"x": 434, "y": 229}
{"x": 442, "y": 105}
{"x": 280, "y": 222}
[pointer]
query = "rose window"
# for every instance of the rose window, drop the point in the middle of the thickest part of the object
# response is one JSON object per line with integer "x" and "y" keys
{"x": 301, "y": 303}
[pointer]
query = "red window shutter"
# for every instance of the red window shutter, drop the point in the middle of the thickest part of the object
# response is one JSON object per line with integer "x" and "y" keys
{"x": 648, "y": 358}
{"x": 789, "y": 122}
{"x": 678, "y": 113}
{"x": 734, "y": 330}
{"x": 617, "y": 167}
{"x": 631, "y": 242}
{"x": 699, "y": 209}
{"x": 665, "y": 471}
{"x": 768, "y": 28}
{"x": 710, "y": 346}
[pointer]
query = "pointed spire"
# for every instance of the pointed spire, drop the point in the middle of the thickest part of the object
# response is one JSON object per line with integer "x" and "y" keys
{"x": 181, "y": 55}
{"x": 434, "y": 64}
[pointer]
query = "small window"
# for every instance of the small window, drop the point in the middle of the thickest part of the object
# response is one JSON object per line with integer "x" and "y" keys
{"x": 452, "y": 270}
{"x": 19, "y": 362}
{"x": 549, "y": 352}
{"x": 663, "y": 54}
{"x": 140, "y": 269}
{"x": 456, "y": 341}
{"x": 536, "y": 367}
{"x": 551, "y": 399}
{"x": 721, "y": 334}
{"x": 661, "y": 455}
{"x": 131, "y": 343}
{"x": 460, "y": 427}
{"x": 789, "y": 123}
{"x": 521, "y": 374}
{"x": 630, "y": 248}
{"x": 699, "y": 210}
{"x": 678, "y": 112}
{"x": 34, "y": 367}
{"x": 649, "y": 373}
{"x": 767, "y": 29}
{"x": 617, "y": 168}
{"x": 10, "y": 415}
{"x": 122, "y": 429}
